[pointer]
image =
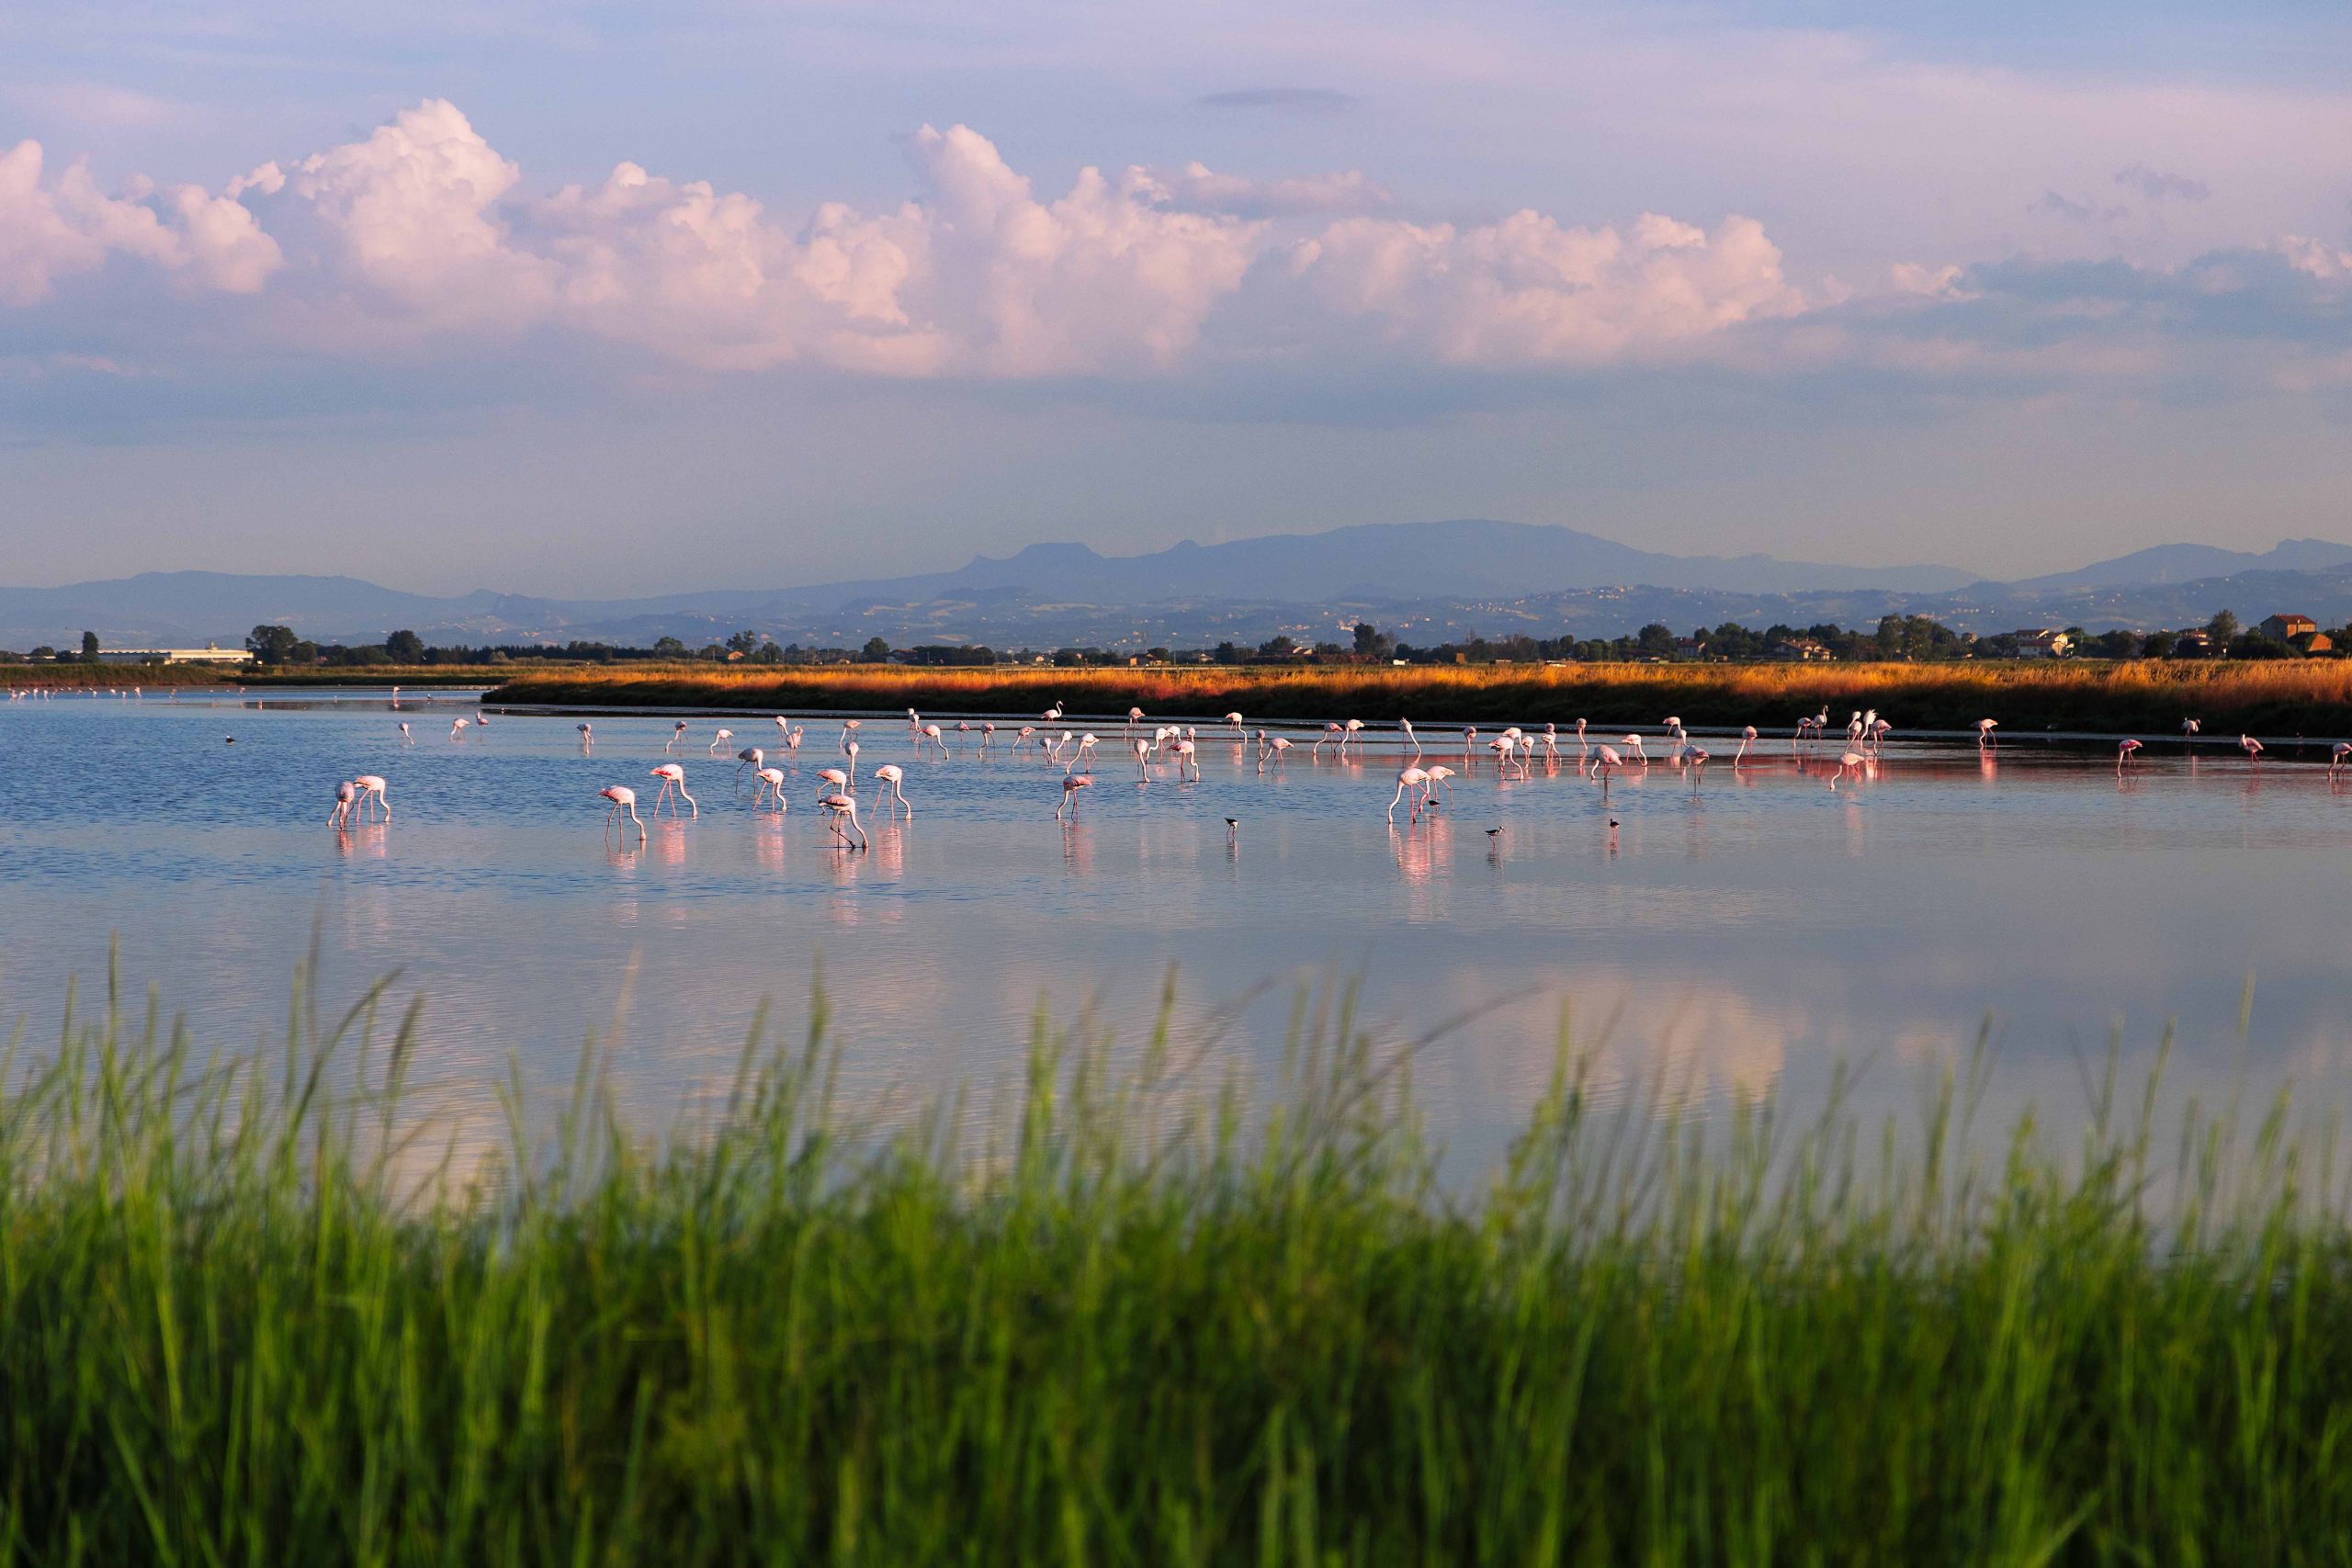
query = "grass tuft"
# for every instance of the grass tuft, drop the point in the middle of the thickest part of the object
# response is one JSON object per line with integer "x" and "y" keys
{"x": 246, "y": 1314}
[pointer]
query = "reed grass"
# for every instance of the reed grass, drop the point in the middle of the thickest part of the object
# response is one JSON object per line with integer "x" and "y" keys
{"x": 248, "y": 1315}
{"x": 2272, "y": 697}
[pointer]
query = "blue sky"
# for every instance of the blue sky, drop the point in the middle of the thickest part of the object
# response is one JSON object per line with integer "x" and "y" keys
{"x": 595, "y": 298}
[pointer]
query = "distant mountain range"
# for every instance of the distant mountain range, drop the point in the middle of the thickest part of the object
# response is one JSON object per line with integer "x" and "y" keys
{"x": 1425, "y": 582}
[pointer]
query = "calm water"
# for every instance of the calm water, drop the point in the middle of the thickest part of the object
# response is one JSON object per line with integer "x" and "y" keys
{"x": 1748, "y": 932}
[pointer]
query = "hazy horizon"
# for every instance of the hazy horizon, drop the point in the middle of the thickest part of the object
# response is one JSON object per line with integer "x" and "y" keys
{"x": 788, "y": 294}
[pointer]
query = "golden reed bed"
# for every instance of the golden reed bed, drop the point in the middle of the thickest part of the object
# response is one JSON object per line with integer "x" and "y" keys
{"x": 2272, "y": 697}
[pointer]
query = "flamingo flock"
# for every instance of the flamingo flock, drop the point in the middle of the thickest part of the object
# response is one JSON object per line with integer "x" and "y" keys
{"x": 1421, "y": 786}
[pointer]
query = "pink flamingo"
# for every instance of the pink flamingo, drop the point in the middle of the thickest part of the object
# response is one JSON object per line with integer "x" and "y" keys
{"x": 1415, "y": 779}
{"x": 2253, "y": 748}
{"x": 833, "y": 776}
{"x": 587, "y": 735}
{"x": 1072, "y": 785}
{"x": 720, "y": 740}
{"x": 1469, "y": 739}
{"x": 1354, "y": 732}
{"x": 458, "y": 726}
{"x": 1634, "y": 743}
{"x": 1406, "y": 725}
{"x": 1135, "y": 716}
{"x": 750, "y": 757}
{"x": 677, "y": 733}
{"x": 406, "y": 738}
{"x": 2124, "y": 753}
{"x": 1551, "y": 739}
{"x": 988, "y": 734}
{"x": 1331, "y": 733}
{"x": 887, "y": 792}
{"x": 371, "y": 787}
{"x": 623, "y": 799}
{"x": 2335, "y": 760}
{"x": 849, "y": 749}
{"x": 1052, "y": 714}
{"x": 1142, "y": 749}
{"x": 1746, "y": 738}
{"x": 792, "y": 741}
{"x": 1235, "y": 719}
{"x": 1605, "y": 762}
{"x": 769, "y": 787}
{"x": 673, "y": 777}
{"x": 849, "y": 727}
{"x": 839, "y": 809}
{"x": 1278, "y": 748}
{"x": 1984, "y": 727}
{"x": 1439, "y": 775}
{"x": 1698, "y": 760}
{"x": 1851, "y": 761}
{"x": 344, "y": 795}
{"x": 929, "y": 735}
{"x": 1185, "y": 757}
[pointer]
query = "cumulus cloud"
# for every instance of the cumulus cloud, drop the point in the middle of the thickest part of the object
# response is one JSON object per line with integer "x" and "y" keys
{"x": 2052, "y": 205}
{"x": 1527, "y": 291}
{"x": 53, "y": 229}
{"x": 422, "y": 231}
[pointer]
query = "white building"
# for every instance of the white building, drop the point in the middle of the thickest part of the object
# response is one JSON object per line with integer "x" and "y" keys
{"x": 210, "y": 653}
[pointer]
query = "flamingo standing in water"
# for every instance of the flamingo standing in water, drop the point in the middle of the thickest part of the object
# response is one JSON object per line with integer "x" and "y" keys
{"x": 457, "y": 726}
{"x": 677, "y": 733}
{"x": 1278, "y": 748}
{"x": 1604, "y": 764}
{"x": 887, "y": 779}
{"x": 1551, "y": 739}
{"x": 2188, "y": 729}
{"x": 833, "y": 777}
{"x": 1853, "y": 762}
{"x": 1354, "y": 732}
{"x": 2335, "y": 759}
{"x": 839, "y": 808}
{"x": 849, "y": 727}
{"x": 1416, "y": 780}
{"x": 1052, "y": 714}
{"x": 720, "y": 740}
{"x": 1142, "y": 749}
{"x": 1634, "y": 743}
{"x": 1331, "y": 732}
{"x": 1235, "y": 719}
{"x": 792, "y": 741}
{"x": 1698, "y": 761}
{"x": 750, "y": 757}
{"x": 1984, "y": 727}
{"x": 2124, "y": 753}
{"x": 1135, "y": 716}
{"x": 850, "y": 751}
{"x": 344, "y": 795}
{"x": 1185, "y": 757}
{"x": 1439, "y": 775}
{"x": 930, "y": 736}
{"x": 1072, "y": 785}
{"x": 1746, "y": 738}
{"x": 1406, "y": 725}
{"x": 2253, "y": 748}
{"x": 406, "y": 738}
{"x": 371, "y": 787}
{"x": 623, "y": 799}
{"x": 587, "y": 735}
{"x": 988, "y": 734}
{"x": 769, "y": 787}
{"x": 673, "y": 777}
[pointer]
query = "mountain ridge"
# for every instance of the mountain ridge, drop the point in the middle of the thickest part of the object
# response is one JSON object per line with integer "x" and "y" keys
{"x": 1444, "y": 574}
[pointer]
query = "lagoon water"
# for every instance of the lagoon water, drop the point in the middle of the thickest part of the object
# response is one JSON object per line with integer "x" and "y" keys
{"x": 1752, "y": 930}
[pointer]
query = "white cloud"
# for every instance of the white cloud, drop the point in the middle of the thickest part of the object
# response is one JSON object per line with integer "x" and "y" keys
{"x": 55, "y": 228}
{"x": 1527, "y": 291}
{"x": 422, "y": 231}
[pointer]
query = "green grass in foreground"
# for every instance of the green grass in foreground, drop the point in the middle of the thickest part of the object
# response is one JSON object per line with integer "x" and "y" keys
{"x": 1139, "y": 1327}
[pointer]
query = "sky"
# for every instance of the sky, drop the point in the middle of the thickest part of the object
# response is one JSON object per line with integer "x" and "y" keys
{"x": 596, "y": 300}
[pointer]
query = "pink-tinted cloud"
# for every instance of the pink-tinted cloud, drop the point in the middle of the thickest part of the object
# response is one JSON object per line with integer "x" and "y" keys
{"x": 54, "y": 228}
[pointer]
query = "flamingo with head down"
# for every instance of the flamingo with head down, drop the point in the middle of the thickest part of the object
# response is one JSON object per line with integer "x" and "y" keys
{"x": 887, "y": 792}
{"x": 673, "y": 778}
{"x": 2124, "y": 753}
{"x": 839, "y": 808}
{"x": 1072, "y": 785}
{"x": 623, "y": 799}
{"x": 1414, "y": 779}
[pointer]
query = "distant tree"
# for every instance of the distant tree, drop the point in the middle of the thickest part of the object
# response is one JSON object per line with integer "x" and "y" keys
{"x": 668, "y": 647}
{"x": 743, "y": 642}
{"x": 768, "y": 653}
{"x": 1278, "y": 647}
{"x": 1227, "y": 654}
{"x": 1656, "y": 638}
{"x": 1157, "y": 655}
{"x": 2158, "y": 645}
{"x": 304, "y": 652}
{"x": 405, "y": 648}
{"x": 2222, "y": 628}
{"x": 272, "y": 645}
{"x": 89, "y": 647}
{"x": 876, "y": 651}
